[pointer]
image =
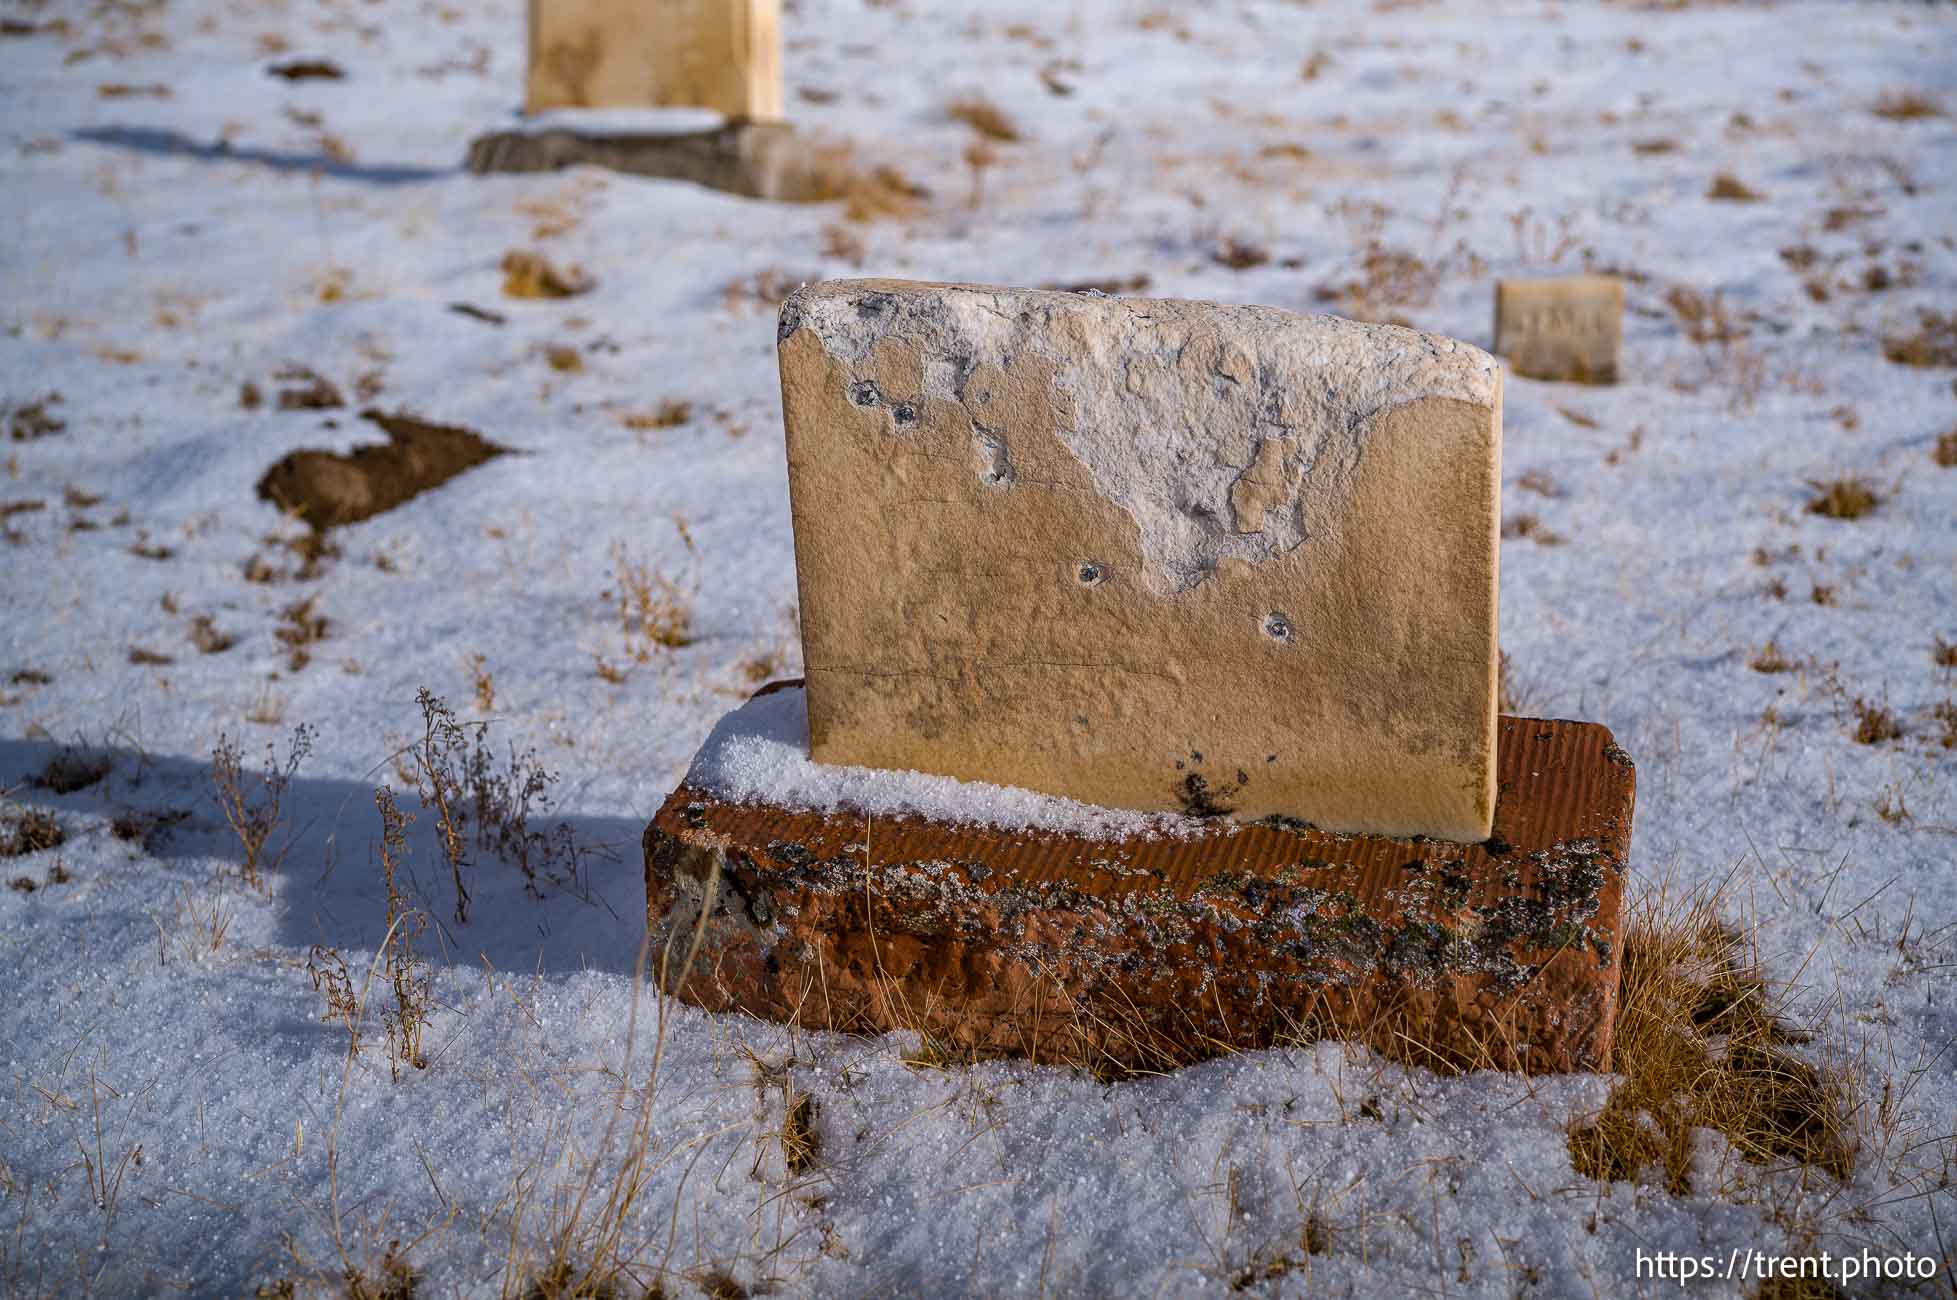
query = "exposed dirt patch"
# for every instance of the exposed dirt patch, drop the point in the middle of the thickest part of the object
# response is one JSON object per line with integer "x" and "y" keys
{"x": 307, "y": 70}
{"x": 326, "y": 488}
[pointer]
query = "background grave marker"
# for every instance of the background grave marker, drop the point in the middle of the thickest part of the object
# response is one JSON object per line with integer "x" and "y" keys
{"x": 723, "y": 55}
{"x": 1569, "y": 329}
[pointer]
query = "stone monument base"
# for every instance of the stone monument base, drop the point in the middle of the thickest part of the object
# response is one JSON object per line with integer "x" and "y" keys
{"x": 1144, "y": 953}
{"x": 756, "y": 160}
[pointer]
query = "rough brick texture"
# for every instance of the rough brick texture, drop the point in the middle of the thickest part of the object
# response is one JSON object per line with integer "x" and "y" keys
{"x": 1145, "y": 953}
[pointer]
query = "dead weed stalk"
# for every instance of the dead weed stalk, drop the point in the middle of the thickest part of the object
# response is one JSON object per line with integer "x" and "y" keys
{"x": 254, "y": 816}
{"x": 407, "y": 1020}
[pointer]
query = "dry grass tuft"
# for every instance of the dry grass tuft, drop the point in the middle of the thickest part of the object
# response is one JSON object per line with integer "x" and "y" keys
{"x": 1933, "y": 344}
{"x": 1874, "y": 723}
{"x": 801, "y": 1141}
{"x": 204, "y": 634}
{"x": 1945, "y": 714}
{"x": 1769, "y": 659}
{"x": 74, "y": 768}
{"x": 1701, "y": 1045}
{"x": 1704, "y": 319}
{"x": 304, "y": 389}
{"x": 482, "y": 682}
{"x": 653, "y": 610}
{"x": 1946, "y": 450}
{"x": 1906, "y": 106}
{"x": 267, "y": 708}
{"x": 1890, "y": 807}
{"x": 1511, "y": 695}
{"x": 669, "y": 414}
{"x": 1728, "y": 359}
{"x": 1240, "y": 254}
{"x": 300, "y": 627}
{"x": 1392, "y": 281}
{"x": 1943, "y": 653}
{"x": 395, "y": 1279}
{"x": 1842, "y": 498}
{"x": 879, "y": 193}
{"x": 768, "y": 287}
{"x": 1730, "y": 188}
{"x": 31, "y": 421}
{"x": 1528, "y": 525}
{"x": 532, "y": 275}
{"x": 985, "y": 117}
{"x": 28, "y": 830}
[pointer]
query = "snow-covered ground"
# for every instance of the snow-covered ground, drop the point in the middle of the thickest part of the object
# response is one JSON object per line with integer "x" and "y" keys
{"x": 177, "y": 1116}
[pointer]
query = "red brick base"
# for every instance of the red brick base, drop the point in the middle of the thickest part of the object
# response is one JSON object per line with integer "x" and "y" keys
{"x": 1145, "y": 954}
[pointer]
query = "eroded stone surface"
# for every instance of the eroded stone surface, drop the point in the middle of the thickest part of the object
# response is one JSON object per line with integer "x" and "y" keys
{"x": 1145, "y": 953}
{"x": 1148, "y": 554}
{"x": 1569, "y": 329}
{"x": 718, "y": 54}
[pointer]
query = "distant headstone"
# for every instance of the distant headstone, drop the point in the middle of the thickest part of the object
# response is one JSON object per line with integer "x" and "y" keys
{"x": 1568, "y": 329}
{"x": 718, "y": 54}
{"x": 1154, "y": 555}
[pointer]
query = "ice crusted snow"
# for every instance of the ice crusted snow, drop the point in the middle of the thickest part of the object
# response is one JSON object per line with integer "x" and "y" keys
{"x": 760, "y": 753}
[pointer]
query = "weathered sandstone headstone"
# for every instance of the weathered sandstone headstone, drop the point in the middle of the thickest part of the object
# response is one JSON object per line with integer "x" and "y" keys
{"x": 1148, "y": 554}
{"x": 718, "y": 54}
{"x": 1568, "y": 329}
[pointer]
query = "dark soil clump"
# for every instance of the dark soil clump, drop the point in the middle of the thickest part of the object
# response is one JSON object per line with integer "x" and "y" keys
{"x": 326, "y": 489}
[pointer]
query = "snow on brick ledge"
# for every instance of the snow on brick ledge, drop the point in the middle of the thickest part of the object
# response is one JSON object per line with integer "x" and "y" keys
{"x": 990, "y": 928}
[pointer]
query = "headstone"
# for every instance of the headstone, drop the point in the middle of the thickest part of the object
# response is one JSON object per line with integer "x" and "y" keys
{"x": 717, "y": 54}
{"x": 1568, "y": 330}
{"x": 1148, "y": 554}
